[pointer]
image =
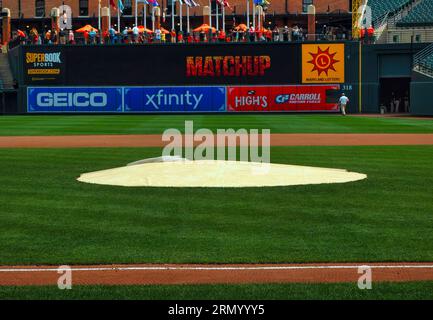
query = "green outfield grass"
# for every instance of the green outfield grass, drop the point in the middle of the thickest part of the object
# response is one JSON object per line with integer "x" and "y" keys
{"x": 47, "y": 217}
{"x": 146, "y": 124}
{"x": 296, "y": 291}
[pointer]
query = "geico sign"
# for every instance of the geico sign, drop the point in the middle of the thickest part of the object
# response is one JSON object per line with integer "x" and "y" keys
{"x": 79, "y": 99}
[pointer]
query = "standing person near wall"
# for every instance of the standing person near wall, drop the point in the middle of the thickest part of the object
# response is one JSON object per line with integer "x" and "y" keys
{"x": 343, "y": 103}
{"x": 48, "y": 37}
{"x": 71, "y": 37}
{"x": 173, "y": 36}
{"x": 135, "y": 33}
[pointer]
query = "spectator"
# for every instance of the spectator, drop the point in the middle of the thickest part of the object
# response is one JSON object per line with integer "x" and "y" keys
{"x": 135, "y": 32}
{"x": 112, "y": 34}
{"x": 54, "y": 37}
{"x": 173, "y": 36}
{"x": 158, "y": 35}
{"x": 71, "y": 37}
{"x": 276, "y": 34}
{"x": 370, "y": 33}
{"x": 251, "y": 34}
{"x": 180, "y": 37}
{"x": 48, "y": 37}
{"x": 92, "y": 37}
{"x": 163, "y": 37}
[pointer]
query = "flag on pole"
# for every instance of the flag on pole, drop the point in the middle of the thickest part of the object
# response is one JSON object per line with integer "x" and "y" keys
{"x": 113, "y": 4}
{"x": 120, "y": 6}
{"x": 153, "y": 3}
{"x": 225, "y": 3}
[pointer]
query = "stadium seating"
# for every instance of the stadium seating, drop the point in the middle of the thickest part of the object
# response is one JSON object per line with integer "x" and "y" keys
{"x": 420, "y": 15}
{"x": 381, "y": 7}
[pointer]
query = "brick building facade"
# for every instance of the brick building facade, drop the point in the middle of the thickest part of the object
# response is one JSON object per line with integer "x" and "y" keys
{"x": 33, "y": 12}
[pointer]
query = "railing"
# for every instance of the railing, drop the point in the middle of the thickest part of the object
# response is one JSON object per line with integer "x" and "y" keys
{"x": 419, "y": 61}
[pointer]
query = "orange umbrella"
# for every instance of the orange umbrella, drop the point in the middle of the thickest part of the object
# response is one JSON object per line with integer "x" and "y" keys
{"x": 142, "y": 29}
{"x": 241, "y": 27}
{"x": 87, "y": 28}
{"x": 204, "y": 27}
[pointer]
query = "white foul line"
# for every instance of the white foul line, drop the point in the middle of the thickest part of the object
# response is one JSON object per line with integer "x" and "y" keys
{"x": 172, "y": 268}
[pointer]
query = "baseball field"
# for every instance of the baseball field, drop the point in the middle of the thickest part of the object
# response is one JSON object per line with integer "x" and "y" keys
{"x": 295, "y": 242}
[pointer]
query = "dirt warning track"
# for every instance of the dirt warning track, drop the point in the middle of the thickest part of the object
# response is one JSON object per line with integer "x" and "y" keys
{"x": 166, "y": 274}
{"x": 155, "y": 140}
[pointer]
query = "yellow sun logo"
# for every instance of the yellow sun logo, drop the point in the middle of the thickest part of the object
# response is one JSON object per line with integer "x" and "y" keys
{"x": 323, "y": 61}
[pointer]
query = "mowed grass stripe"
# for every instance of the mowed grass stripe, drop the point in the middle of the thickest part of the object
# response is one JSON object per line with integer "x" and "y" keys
{"x": 156, "y": 124}
{"x": 47, "y": 217}
{"x": 293, "y": 291}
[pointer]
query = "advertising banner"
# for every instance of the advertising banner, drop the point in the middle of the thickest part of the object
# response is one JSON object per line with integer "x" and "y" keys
{"x": 77, "y": 99}
{"x": 323, "y": 63}
{"x": 43, "y": 65}
{"x": 175, "y": 99}
{"x": 163, "y": 65}
{"x": 282, "y": 98}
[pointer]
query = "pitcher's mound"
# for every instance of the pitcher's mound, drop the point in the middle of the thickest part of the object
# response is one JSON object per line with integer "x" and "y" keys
{"x": 216, "y": 173}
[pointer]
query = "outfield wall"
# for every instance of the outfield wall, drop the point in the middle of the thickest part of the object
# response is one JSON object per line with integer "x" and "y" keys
{"x": 236, "y": 77}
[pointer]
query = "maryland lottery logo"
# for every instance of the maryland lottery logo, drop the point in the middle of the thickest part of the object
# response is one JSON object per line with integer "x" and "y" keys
{"x": 323, "y": 63}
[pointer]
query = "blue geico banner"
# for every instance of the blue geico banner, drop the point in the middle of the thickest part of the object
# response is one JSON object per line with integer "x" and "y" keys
{"x": 175, "y": 99}
{"x": 74, "y": 99}
{"x": 126, "y": 99}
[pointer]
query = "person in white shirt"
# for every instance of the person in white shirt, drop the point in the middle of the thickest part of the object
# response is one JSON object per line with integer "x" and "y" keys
{"x": 343, "y": 103}
{"x": 135, "y": 32}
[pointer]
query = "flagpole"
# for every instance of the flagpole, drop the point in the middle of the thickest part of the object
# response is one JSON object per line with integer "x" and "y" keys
{"x": 217, "y": 20}
{"x": 145, "y": 16}
{"x": 210, "y": 14}
{"x": 136, "y": 13}
{"x": 248, "y": 13}
{"x": 153, "y": 18}
{"x": 118, "y": 18}
{"x": 172, "y": 14}
{"x": 224, "y": 18}
{"x": 99, "y": 15}
{"x": 109, "y": 14}
{"x": 254, "y": 17}
{"x": 180, "y": 16}
{"x": 187, "y": 19}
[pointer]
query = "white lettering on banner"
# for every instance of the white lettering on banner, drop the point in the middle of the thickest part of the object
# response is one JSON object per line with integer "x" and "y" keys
{"x": 79, "y": 99}
{"x": 172, "y": 99}
{"x": 259, "y": 101}
{"x": 299, "y": 98}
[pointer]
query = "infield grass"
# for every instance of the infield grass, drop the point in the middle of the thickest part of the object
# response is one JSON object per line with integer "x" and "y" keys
{"x": 47, "y": 217}
{"x": 147, "y": 124}
{"x": 295, "y": 291}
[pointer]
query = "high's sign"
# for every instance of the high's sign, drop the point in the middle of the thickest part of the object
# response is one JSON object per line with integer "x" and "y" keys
{"x": 283, "y": 98}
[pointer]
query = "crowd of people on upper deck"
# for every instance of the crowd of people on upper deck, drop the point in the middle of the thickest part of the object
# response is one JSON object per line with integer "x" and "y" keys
{"x": 141, "y": 35}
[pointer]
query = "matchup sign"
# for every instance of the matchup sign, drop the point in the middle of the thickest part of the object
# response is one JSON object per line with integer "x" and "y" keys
{"x": 61, "y": 99}
{"x": 174, "y": 99}
{"x": 282, "y": 98}
{"x": 323, "y": 63}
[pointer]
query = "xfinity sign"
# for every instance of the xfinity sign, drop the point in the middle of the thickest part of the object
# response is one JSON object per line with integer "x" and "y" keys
{"x": 163, "y": 98}
{"x": 79, "y": 99}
